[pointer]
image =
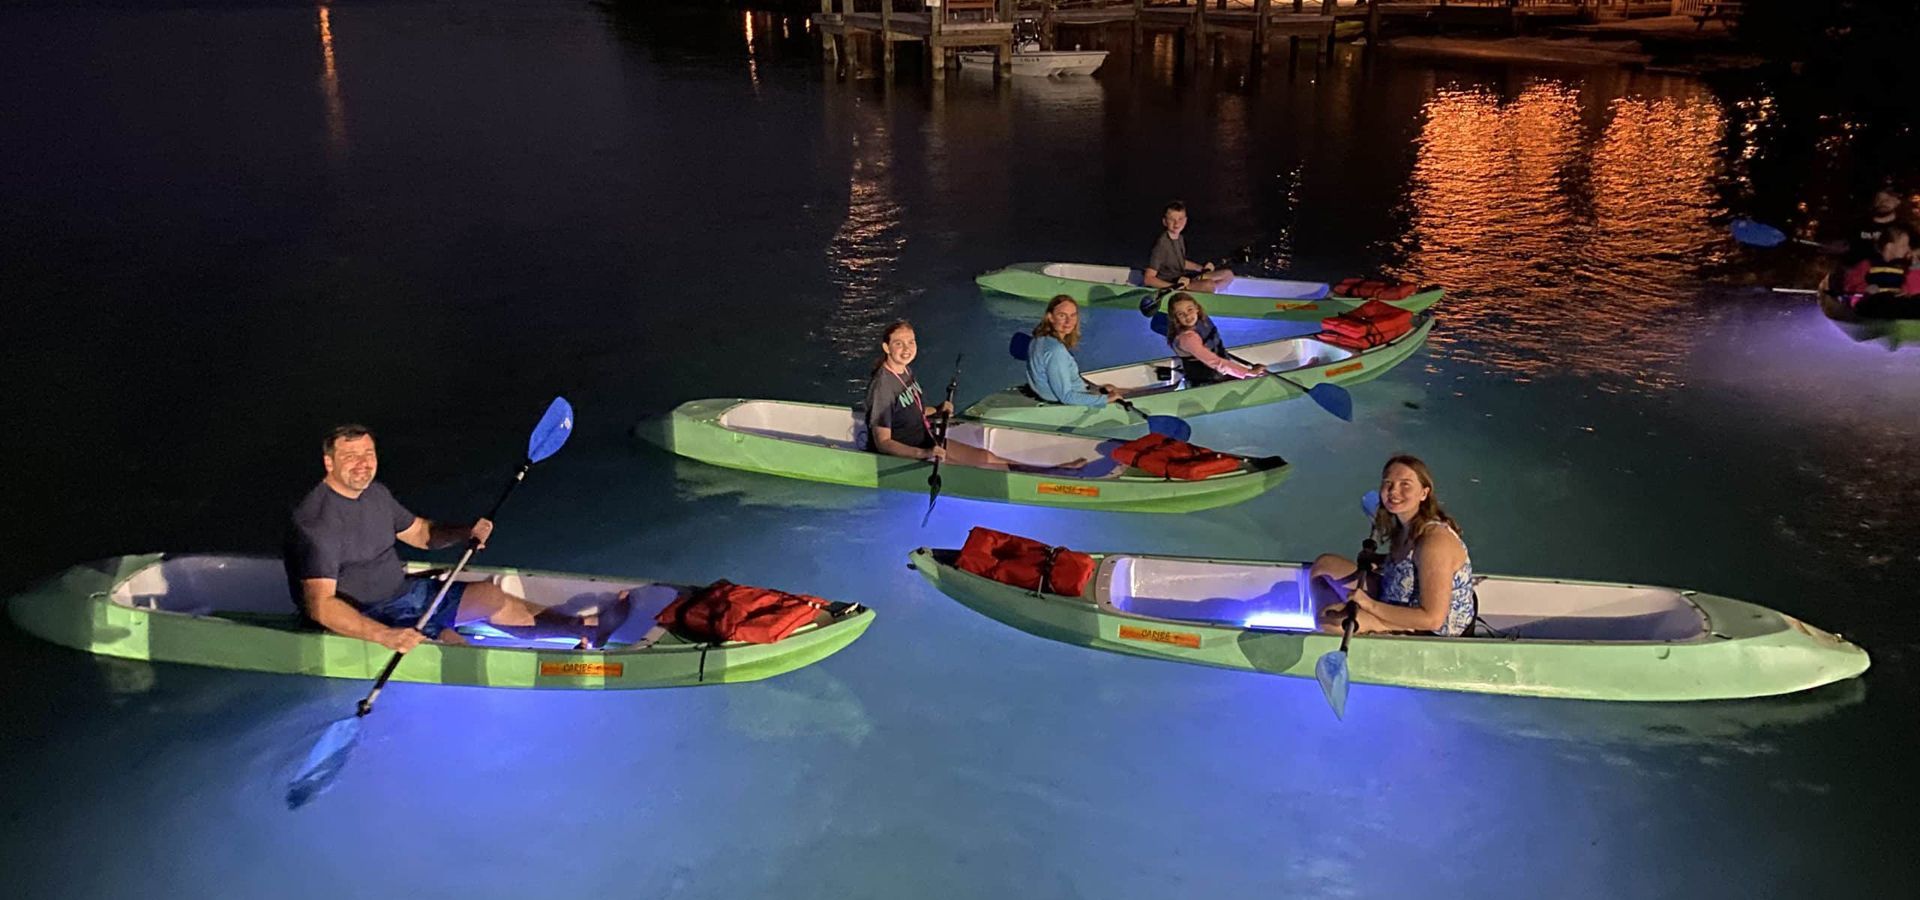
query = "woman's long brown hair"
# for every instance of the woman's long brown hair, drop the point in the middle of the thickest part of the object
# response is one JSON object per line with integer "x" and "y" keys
{"x": 1045, "y": 328}
{"x": 1387, "y": 528}
{"x": 886, "y": 336}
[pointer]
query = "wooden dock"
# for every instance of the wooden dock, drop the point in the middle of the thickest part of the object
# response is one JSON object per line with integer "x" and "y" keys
{"x": 945, "y": 29}
{"x": 948, "y": 26}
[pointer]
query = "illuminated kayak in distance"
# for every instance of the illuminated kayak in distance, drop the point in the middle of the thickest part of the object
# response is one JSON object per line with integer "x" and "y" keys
{"x": 1894, "y": 332}
{"x": 1246, "y": 297}
{"x": 818, "y": 442}
{"x": 1571, "y": 639}
{"x": 1154, "y": 388}
{"x": 234, "y": 612}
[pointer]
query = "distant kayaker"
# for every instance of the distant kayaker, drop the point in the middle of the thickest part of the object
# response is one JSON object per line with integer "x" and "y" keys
{"x": 1052, "y": 373}
{"x": 1169, "y": 265}
{"x": 1885, "y": 285}
{"x": 895, "y": 409}
{"x": 346, "y": 577}
{"x": 1194, "y": 339}
{"x": 1425, "y": 581}
{"x": 1864, "y": 240}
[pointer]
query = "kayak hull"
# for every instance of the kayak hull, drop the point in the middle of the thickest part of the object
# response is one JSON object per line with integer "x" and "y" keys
{"x": 1894, "y": 333}
{"x": 1732, "y": 650}
{"x": 1156, "y": 396}
{"x": 95, "y": 608}
{"x": 1298, "y": 301}
{"x": 712, "y": 431}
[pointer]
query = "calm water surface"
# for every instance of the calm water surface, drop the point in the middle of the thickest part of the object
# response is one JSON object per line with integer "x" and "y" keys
{"x": 226, "y": 226}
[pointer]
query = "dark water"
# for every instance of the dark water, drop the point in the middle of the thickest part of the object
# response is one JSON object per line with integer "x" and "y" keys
{"x": 224, "y": 227}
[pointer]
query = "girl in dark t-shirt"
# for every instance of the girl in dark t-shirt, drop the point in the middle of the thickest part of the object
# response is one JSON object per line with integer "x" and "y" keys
{"x": 896, "y": 412}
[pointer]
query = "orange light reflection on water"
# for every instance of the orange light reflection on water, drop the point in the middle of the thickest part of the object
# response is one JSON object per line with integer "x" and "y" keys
{"x": 330, "y": 87}
{"x": 1563, "y": 249}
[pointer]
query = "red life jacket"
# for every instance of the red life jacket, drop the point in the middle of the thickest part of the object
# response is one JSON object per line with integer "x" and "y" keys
{"x": 1157, "y": 454}
{"x": 724, "y": 611}
{"x": 1374, "y": 289}
{"x": 1025, "y": 563}
{"x": 1368, "y": 325}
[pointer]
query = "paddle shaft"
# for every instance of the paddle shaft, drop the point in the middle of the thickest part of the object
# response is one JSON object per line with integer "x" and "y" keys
{"x": 473, "y": 545}
{"x": 1324, "y": 404}
{"x": 1124, "y": 402}
{"x": 940, "y": 440}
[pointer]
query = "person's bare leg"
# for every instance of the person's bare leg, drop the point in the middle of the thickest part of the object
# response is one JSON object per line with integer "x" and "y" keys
{"x": 978, "y": 457}
{"x": 484, "y": 600}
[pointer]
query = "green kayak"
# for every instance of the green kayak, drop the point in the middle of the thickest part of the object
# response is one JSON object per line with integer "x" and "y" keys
{"x": 1118, "y": 287}
{"x": 1572, "y": 639}
{"x": 817, "y": 442}
{"x": 1894, "y": 332}
{"x": 1154, "y": 386}
{"x": 233, "y": 612}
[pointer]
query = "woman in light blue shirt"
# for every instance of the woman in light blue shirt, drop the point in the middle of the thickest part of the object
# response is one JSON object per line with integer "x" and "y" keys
{"x": 1052, "y": 373}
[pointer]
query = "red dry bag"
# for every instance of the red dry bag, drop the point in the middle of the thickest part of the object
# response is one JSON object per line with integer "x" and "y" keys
{"x": 1368, "y": 325}
{"x": 1025, "y": 563}
{"x": 1374, "y": 289}
{"x": 1158, "y": 454}
{"x": 724, "y": 611}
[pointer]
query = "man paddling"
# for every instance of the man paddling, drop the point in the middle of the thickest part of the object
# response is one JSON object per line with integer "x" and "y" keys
{"x": 346, "y": 577}
{"x": 1169, "y": 265}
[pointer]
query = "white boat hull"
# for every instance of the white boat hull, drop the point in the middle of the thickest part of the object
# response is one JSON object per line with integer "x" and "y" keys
{"x": 1044, "y": 63}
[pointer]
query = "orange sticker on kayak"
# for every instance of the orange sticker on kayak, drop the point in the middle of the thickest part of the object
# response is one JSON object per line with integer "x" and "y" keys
{"x": 581, "y": 669}
{"x": 1158, "y": 636}
{"x": 1342, "y": 370}
{"x": 1294, "y": 306}
{"x": 1072, "y": 490}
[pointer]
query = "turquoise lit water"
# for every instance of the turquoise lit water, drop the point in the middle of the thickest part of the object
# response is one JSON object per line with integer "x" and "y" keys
{"x": 227, "y": 226}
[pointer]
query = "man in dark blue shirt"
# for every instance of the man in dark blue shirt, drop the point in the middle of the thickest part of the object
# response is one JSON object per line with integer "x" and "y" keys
{"x": 346, "y": 577}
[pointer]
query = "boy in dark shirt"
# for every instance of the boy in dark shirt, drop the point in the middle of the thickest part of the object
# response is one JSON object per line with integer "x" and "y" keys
{"x": 1169, "y": 266}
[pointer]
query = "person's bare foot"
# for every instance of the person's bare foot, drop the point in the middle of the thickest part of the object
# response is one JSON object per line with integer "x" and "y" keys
{"x": 609, "y": 621}
{"x": 451, "y": 637}
{"x": 1080, "y": 463}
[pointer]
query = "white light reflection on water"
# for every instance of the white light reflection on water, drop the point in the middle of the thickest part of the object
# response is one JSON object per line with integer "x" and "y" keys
{"x": 865, "y": 249}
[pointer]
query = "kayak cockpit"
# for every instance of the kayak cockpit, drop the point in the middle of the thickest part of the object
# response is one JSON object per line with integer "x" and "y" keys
{"x": 840, "y": 428}
{"x": 1279, "y": 356}
{"x": 1241, "y": 286}
{"x": 1273, "y": 596}
{"x": 1090, "y": 272}
{"x": 254, "y": 590}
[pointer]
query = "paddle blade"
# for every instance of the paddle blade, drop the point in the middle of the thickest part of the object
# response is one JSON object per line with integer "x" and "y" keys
{"x": 1331, "y": 671}
{"x": 1334, "y": 399}
{"x": 324, "y": 760}
{"x": 1370, "y": 503}
{"x": 1020, "y": 345}
{"x": 1171, "y": 426}
{"x": 1747, "y": 231}
{"x": 1159, "y": 324}
{"x": 552, "y": 432}
{"x": 1150, "y": 303}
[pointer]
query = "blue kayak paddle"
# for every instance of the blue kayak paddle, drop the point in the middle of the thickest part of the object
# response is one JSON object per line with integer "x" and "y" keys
{"x": 1331, "y": 397}
{"x": 1020, "y": 347}
{"x": 328, "y": 755}
{"x": 1331, "y": 669}
{"x": 1760, "y": 234}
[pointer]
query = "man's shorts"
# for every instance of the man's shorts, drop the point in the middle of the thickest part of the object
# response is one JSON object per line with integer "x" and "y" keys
{"x": 403, "y": 611}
